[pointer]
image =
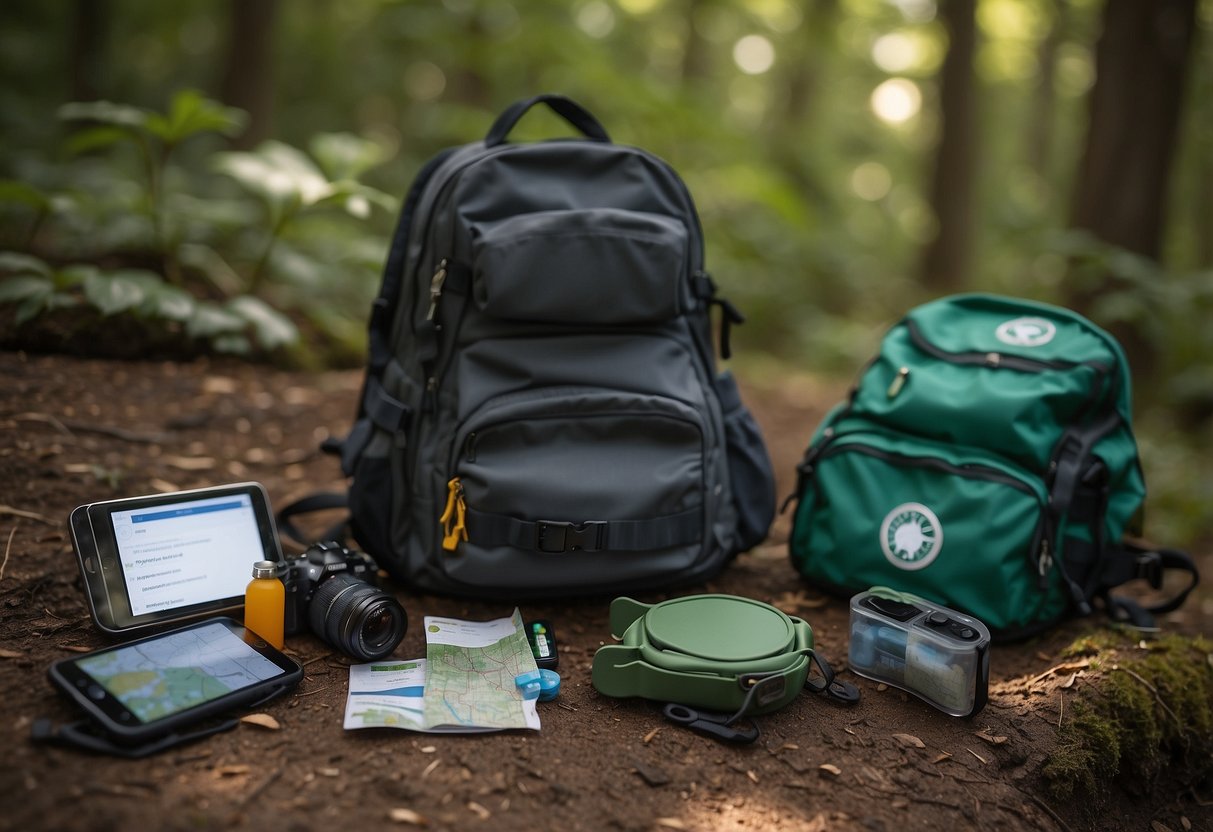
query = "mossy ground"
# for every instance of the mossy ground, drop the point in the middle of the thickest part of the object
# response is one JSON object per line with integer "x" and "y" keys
{"x": 1145, "y": 708}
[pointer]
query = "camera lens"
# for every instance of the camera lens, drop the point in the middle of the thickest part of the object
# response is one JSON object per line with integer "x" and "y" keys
{"x": 359, "y": 619}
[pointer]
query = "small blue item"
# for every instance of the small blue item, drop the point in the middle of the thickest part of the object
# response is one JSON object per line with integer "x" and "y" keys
{"x": 543, "y": 685}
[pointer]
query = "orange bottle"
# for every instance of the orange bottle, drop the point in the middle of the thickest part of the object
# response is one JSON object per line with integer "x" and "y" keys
{"x": 265, "y": 603}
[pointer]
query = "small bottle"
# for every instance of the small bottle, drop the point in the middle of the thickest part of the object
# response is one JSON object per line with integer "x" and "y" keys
{"x": 265, "y": 603}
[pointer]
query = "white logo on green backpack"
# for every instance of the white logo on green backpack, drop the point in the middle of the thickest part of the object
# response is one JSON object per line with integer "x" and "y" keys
{"x": 1026, "y": 332}
{"x": 911, "y": 536}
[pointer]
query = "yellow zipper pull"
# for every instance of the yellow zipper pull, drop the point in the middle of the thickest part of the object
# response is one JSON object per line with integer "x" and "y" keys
{"x": 898, "y": 382}
{"x": 453, "y": 517}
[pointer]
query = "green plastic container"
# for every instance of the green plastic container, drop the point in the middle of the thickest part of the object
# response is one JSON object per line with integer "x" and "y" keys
{"x": 706, "y": 651}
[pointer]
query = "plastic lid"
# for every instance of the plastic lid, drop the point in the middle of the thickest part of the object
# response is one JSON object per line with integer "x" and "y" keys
{"x": 265, "y": 569}
{"x": 720, "y": 627}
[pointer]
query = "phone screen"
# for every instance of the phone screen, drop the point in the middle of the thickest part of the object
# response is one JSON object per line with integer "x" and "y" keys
{"x": 159, "y": 677}
{"x": 189, "y": 552}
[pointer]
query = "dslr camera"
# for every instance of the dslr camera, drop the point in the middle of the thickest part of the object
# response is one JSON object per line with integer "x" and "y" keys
{"x": 329, "y": 592}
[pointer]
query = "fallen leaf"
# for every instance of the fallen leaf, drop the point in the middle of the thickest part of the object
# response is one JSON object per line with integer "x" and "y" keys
{"x": 77, "y": 648}
{"x": 671, "y": 823}
{"x": 1159, "y": 826}
{"x": 750, "y": 774}
{"x": 478, "y": 810}
{"x": 428, "y": 749}
{"x": 11, "y": 654}
{"x": 429, "y": 769}
{"x": 1069, "y": 683}
{"x": 946, "y": 755}
{"x": 978, "y": 756}
{"x": 789, "y": 746}
{"x": 329, "y": 772}
{"x": 408, "y": 816}
{"x": 648, "y": 738}
{"x": 190, "y": 463}
{"x": 829, "y": 768}
{"x": 882, "y": 687}
{"x": 909, "y": 740}
{"x": 263, "y": 720}
{"x": 992, "y": 740}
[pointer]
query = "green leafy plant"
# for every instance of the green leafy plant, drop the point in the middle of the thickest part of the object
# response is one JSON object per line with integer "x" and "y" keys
{"x": 236, "y": 325}
{"x": 156, "y": 136}
{"x": 288, "y": 182}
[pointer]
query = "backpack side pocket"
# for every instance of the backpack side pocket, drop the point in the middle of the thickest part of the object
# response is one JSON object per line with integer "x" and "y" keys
{"x": 751, "y": 474}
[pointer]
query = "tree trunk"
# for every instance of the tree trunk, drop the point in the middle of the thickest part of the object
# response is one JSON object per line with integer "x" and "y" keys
{"x": 90, "y": 28}
{"x": 1044, "y": 95}
{"x": 946, "y": 259}
{"x": 1141, "y": 63}
{"x": 248, "y": 77}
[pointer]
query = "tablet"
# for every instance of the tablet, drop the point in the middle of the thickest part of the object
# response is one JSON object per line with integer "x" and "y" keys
{"x": 167, "y": 558}
{"x": 163, "y": 683}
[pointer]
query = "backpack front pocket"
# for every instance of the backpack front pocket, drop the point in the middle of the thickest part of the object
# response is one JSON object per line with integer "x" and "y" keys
{"x": 592, "y": 266}
{"x": 568, "y": 487}
{"x": 957, "y": 525}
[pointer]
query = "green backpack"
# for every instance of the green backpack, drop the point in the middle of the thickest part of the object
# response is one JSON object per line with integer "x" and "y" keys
{"x": 984, "y": 460}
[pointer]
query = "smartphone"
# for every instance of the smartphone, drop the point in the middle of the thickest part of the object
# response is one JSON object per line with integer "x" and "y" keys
{"x": 160, "y": 684}
{"x": 167, "y": 558}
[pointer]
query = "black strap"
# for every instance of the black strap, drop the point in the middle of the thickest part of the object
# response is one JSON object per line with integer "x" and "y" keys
{"x": 1131, "y": 561}
{"x": 384, "y": 409}
{"x": 556, "y": 536}
{"x": 320, "y": 501}
{"x": 828, "y": 684}
{"x": 704, "y": 288}
{"x": 566, "y": 108}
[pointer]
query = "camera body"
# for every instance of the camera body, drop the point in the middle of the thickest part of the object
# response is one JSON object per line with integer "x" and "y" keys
{"x": 330, "y": 591}
{"x": 934, "y": 652}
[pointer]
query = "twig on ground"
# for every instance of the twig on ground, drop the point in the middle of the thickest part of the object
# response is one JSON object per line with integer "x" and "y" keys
{"x": 1065, "y": 827}
{"x": 1157, "y": 696}
{"x": 265, "y": 784}
{"x": 7, "y": 550}
{"x": 104, "y": 430}
{"x": 28, "y": 515}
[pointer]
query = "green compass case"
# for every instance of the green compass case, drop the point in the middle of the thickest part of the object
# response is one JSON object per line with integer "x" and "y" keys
{"x": 707, "y": 651}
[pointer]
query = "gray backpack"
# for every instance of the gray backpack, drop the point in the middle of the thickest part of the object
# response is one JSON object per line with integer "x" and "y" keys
{"x": 542, "y": 414}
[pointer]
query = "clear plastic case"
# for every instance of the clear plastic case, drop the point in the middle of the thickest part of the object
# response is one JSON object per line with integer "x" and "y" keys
{"x": 936, "y": 653}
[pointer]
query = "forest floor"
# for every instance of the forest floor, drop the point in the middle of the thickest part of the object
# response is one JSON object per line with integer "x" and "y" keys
{"x": 76, "y": 431}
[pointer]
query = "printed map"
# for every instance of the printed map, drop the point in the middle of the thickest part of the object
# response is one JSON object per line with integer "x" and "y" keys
{"x": 470, "y": 673}
{"x": 182, "y": 670}
{"x": 465, "y": 683}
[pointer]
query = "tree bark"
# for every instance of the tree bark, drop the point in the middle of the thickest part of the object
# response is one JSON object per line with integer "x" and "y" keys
{"x": 90, "y": 27}
{"x": 1141, "y": 63}
{"x": 1044, "y": 95}
{"x": 945, "y": 262}
{"x": 248, "y": 77}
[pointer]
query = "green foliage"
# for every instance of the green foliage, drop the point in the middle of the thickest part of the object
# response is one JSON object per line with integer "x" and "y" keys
{"x": 233, "y": 326}
{"x": 227, "y": 265}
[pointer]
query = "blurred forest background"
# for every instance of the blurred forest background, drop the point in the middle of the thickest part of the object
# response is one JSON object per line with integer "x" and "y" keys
{"x": 208, "y": 176}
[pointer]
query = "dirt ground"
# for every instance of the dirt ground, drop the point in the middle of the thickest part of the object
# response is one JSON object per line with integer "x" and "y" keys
{"x": 75, "y": 431}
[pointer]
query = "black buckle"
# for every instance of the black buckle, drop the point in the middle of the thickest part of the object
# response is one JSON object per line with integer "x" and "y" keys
{"x": 555, "y": 536}
{"x": 1149, "y": 567}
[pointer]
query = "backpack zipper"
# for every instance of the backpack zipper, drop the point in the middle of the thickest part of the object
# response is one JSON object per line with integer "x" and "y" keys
{"x": 997, "y": 361}
{"x": 1043, "y": 557}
